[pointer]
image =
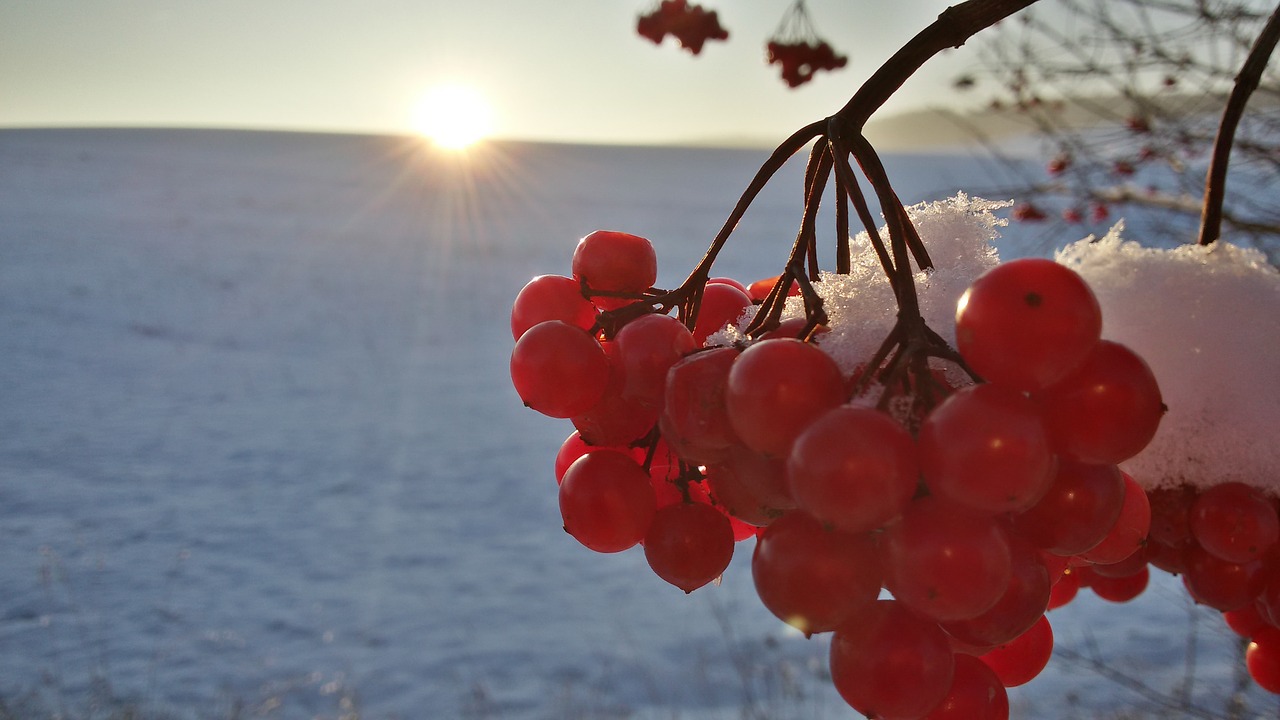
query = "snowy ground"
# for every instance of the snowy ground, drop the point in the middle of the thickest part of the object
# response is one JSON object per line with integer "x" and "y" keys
{"x": 257, "y": 442}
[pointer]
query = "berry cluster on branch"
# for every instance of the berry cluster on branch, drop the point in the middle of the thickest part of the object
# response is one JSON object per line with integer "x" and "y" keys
{"x": 801, "y": 59}
{"x": 691, "y": 25}
{"x": 977, "y": 479}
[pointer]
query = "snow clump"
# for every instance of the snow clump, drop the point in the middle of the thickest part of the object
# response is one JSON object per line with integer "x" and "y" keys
{"x": 1207, "y": 321}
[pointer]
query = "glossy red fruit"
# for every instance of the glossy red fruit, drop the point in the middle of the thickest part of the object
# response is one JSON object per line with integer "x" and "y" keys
{"x": 550, "y": 297}
{"x": 1077, "y": 511}
{"x": 1020, "y": 660}
{"x": 1121, "y": 589}
{"x": 1107, "y": 410}
{"x": 1126, "y": 567}
{"x": 647, "y": 348}
{"x": 945, "y": 562}
{"x": 1025, "y": 599}
{"x": 1235, "y": 522}
{"x": 616, "y": 419}
{"x": 695, "y": 417}
{"x": 853, "y": 468}
{"x": 1027, "y": 323}
{"x": 1130, "y": 531}
{"x": 728, "y": 281}
{"x": 750, "y": 486}
{"x": 1245, "y": 621}
{"x": 888, "y": 663}
{"x": 558, "y": 369}
{"x": 1262, "y": 659}
{"x": 975, "y": 694}
{"x": 722, "y": 304}
{"x": 575, "y": 447}
{"x": 776, "y": 388}
{"x": 607, "y": 501}
{"x": 1221, "y": 584}
{"x": 985, "y": 447}
{"x": 760, "y": 289}
{"x": 616, "y": 262}
{"x": 670, "y": 487}
{"x": 1064, "y": 591}
{"x": 794, "y": 328}
{"x": 814, "y": 578}
{"x": 688, "y": 544}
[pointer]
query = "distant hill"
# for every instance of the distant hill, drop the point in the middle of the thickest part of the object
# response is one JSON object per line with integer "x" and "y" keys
{"x": 934, "y": 129}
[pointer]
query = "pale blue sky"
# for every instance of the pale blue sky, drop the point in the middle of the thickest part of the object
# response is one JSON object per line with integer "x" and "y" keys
{"x": 568, "y": 70}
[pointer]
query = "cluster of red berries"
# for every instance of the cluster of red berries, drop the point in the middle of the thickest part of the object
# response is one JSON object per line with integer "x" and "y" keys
{"x": 691, "y": 25}
{"x": 800, "y": 60}
{"x": 620, "y": 483}
{"x": 1030, "y": 212}
{"x": 990, "y": 506}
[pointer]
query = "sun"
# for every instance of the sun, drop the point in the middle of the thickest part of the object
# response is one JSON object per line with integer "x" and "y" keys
{"x": 453, "y": 116}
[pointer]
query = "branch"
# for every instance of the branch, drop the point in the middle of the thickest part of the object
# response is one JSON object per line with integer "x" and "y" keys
{"x": 952, "y": 29}
{"x": 1142, "y": 197}
{"x": 1246, "y": 82}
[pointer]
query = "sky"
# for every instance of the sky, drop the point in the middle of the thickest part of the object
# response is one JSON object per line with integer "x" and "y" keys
{"x": 564, "y": 71}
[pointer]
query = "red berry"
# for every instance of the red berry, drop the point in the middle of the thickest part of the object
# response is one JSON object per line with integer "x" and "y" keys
{"x": 945, "y": 562}
{"x": 1235, "y": 522}
{"x": 889, "y": 663}
{"x": 1020, "y": 660}
{"x": 975, "y": 694}
{"x": 689, "y": 544}
{"x": 812, "y": 577}
{"x": 616, "y": 262}
{"x": 606, "y": 501}
{"x": 1027, "y": 323}
{"x": 985, "y": 447}
{"x": 1079, "y": 509}
{"x": 558, "y": 369}
{"x": 1107, "y": 409}
{"x": 695, "y": 419}
{"x": 647, "y": 347}
{"x": 722, "y": 304}
{"x": 776, "y": 388}
{"x": 853, "y": 468}
{"x": 1262, "y": 658}
{"x": 1130, "y": 531}
{"x": 550, "y": 297}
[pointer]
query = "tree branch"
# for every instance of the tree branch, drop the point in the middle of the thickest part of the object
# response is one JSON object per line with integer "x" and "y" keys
{"x": 952, "y": 29}
{"x": 1215, "y": 183}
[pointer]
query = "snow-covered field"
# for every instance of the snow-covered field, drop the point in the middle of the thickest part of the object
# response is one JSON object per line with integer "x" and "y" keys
{"x": 258, "y": 443}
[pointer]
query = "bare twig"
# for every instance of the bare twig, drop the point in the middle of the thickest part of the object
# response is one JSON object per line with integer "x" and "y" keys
{"x": 1246, "y": 82}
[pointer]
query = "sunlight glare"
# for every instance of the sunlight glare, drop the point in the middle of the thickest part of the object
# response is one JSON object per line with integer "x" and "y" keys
{"x": 453, "y": 117}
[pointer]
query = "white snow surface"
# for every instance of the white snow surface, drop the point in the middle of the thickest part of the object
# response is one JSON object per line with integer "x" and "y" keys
{"x": 1206, "y": 319}
{"x": 258, "y": 444}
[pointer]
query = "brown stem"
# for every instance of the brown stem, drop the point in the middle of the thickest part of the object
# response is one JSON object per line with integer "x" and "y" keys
{"x": 780, "y": 155}
{"x": 896, "y": 219}
{"x": 816, "y": 175}
{"x": 854, "y": 190}
{"x": 1215, "y": 184}
{"x": 952, "y": 29}
{"x": 843, "y": 251}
